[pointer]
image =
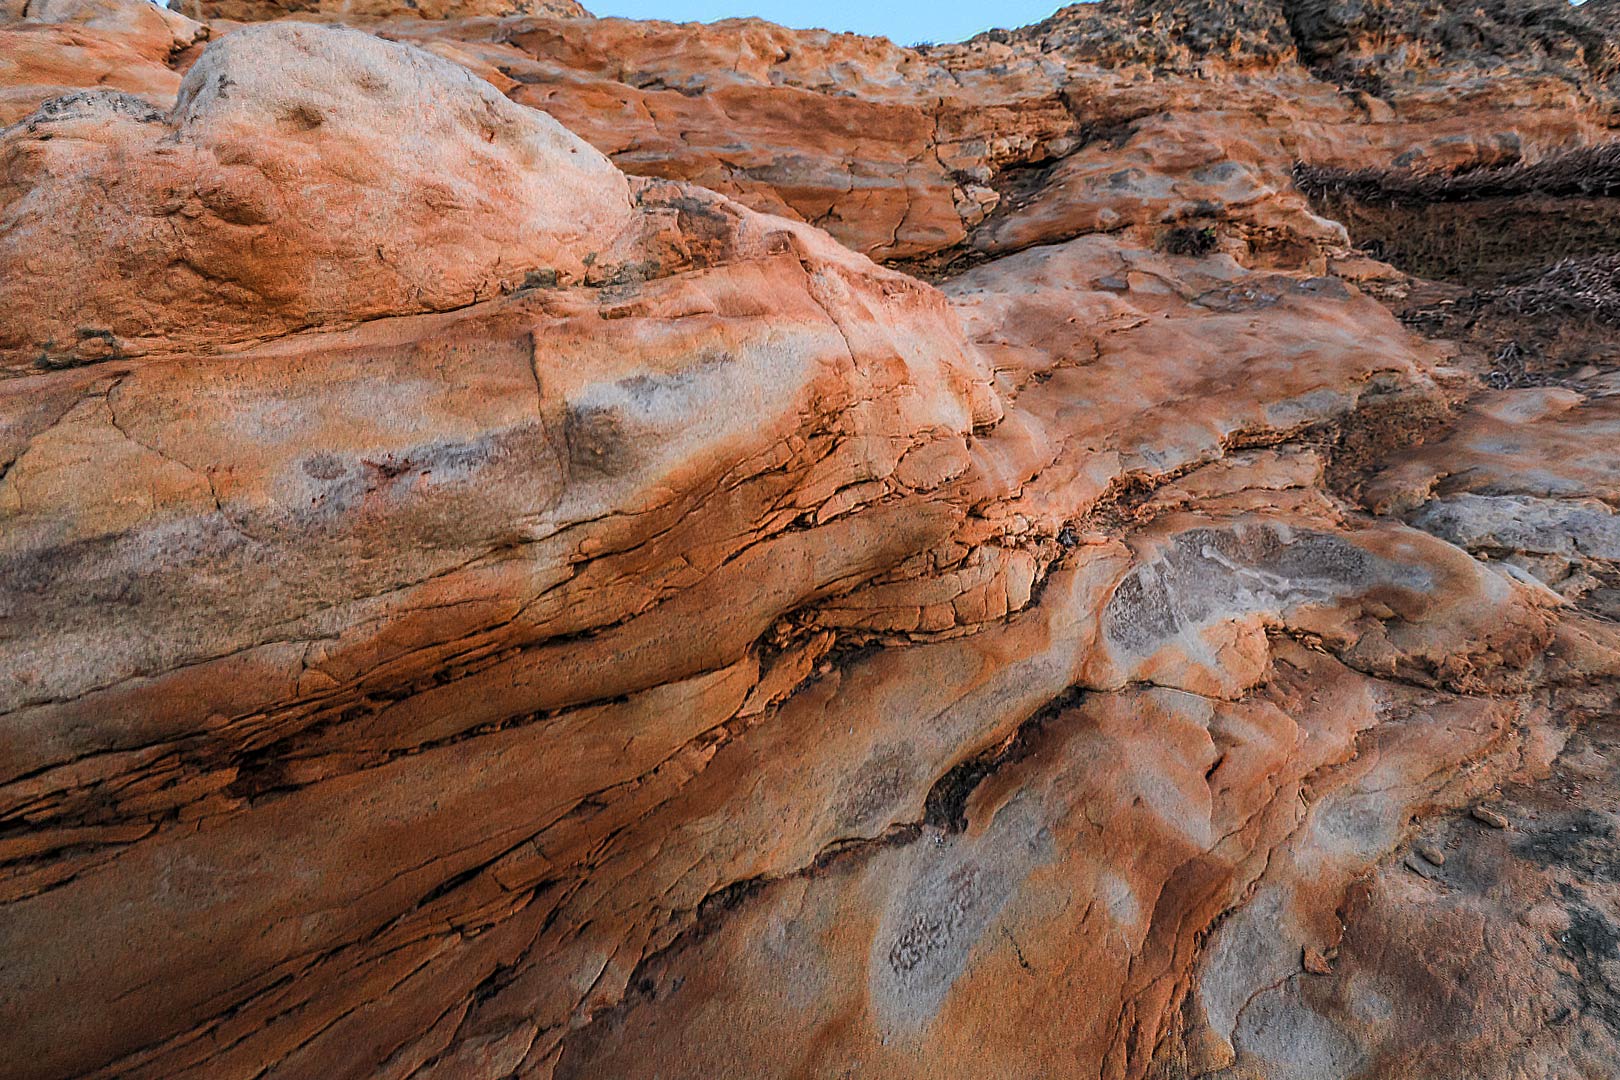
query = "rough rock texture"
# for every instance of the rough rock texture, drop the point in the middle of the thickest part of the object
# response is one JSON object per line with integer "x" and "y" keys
{"x": 64, "y": 45}
{"x": 392, "y": 157}
{"x": 495, "y": 581}
{"x": 260, "y": 10}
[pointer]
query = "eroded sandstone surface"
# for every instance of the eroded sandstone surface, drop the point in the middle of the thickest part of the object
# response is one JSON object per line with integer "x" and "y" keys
{"x": 552, "y": 547}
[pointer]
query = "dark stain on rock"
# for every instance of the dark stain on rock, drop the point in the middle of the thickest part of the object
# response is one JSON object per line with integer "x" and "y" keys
{"x": 876, "y": 786}
{"x": 1581, "y": 841}
{"x": 324, "y": 466}
{"x": 344, "y": 484}
{"x": 933, "y": 928}
{"x": 1592, "y": 944}
{"x": 598, "y": 444}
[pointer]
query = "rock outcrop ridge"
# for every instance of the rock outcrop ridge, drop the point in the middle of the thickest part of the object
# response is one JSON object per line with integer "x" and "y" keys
{"x": 552, "y": 547}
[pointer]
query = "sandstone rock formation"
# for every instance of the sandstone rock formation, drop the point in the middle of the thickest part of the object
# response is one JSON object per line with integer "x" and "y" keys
{"x": 261, "y": 10}
{"x": 403, "y": 161}
{"x": 496, "y": 581}
{"x": 63, "y": 45}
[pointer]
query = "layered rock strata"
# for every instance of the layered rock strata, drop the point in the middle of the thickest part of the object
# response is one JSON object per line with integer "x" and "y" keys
{"x": 495, "y": 580}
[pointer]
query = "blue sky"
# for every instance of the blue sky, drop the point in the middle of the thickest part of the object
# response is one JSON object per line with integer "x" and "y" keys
{"x": 906, "y": 21}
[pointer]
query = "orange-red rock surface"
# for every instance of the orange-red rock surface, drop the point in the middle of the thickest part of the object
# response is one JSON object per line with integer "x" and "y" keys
{"x": 551, "y": 547}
